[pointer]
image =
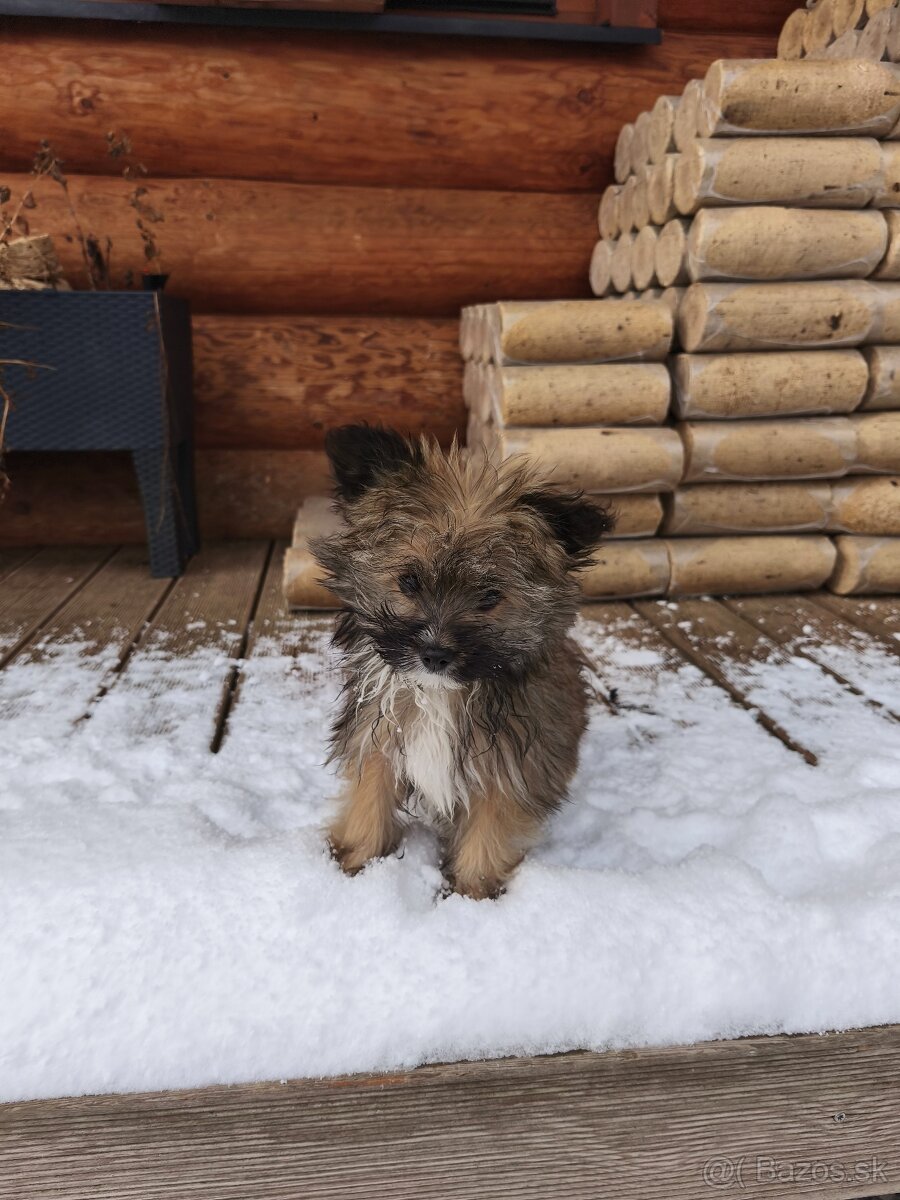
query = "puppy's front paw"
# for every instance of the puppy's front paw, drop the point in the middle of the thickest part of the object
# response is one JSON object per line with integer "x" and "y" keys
{"x": 477, "y": 887}
{"x": 351, "y": 859}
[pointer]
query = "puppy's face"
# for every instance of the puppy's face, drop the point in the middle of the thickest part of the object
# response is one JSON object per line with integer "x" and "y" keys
{"x": 453, "y": 572}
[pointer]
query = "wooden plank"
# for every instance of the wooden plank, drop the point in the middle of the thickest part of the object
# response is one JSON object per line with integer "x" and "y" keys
{"x": 241, "y": 246}
{"x": 280, "y": 382}
{"x": 879, "y": 615}
{"x": 176, "y": 677}
{"x": 353, "y": 109}
{"x": 83, "y": 499}
{"x": 658, "y": 1124}
{"x": 12, "y": 559}
{"x": 810, "y": 711}
{"x": 32, "y": 595}
{"x": 276, "y": 633}
{"x": 100, "y": 625}
{"x": 762, "y": 19}
{"x": 841, "y": 648}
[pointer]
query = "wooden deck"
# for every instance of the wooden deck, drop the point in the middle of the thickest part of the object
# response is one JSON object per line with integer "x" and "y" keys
{"x": 650, "y": 1123}
{"x": 230, "y": 600}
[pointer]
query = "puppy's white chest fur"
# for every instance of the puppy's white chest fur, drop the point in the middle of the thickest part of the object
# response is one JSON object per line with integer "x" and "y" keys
{"x": 428, "y": 737}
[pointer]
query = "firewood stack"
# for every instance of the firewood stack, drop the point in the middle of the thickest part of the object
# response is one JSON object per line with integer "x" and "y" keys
{"x": 761, "y": 210}
{"x": 843, "y": 29}
{"x": 734, "y": 391}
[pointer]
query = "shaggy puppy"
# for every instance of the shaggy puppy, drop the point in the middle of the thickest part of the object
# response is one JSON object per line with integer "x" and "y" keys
{"x": 464, "y": 694}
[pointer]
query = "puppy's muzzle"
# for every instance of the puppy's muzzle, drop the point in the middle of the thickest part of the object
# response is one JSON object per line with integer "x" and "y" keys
{"x": 438, "y": 659}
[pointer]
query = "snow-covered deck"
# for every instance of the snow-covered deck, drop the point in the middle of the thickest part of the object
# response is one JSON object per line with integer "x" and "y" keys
{"x": 729, "y": 865}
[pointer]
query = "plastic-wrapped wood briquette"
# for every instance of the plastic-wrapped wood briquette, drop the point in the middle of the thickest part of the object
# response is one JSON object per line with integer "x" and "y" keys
{"x": 602, "y": 459}
{"x": 737, "y": 508}
{"x": 605, "y": 394}
{"x": 747, "y": 565}
{"x": 785, "y": 243}
{"x": 804, "y": 448}
{"x": 780, "y": 383}
{"x": 639, "y": 568}
{"x": 883, "y": 391}
{"x": 866, "y": 566}
{"x": 661, "y": 134}
{"x": 806, "y": 172}
{"x": 829, "y": 96}
{"x": 866, "y": 506}
{"x": 785, "y": 316}
{"x": 581, "y": 331}
{"x": 877, "y": 443}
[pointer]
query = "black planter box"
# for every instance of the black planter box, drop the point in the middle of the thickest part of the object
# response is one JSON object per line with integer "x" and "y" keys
{"x": 112, "y": 371}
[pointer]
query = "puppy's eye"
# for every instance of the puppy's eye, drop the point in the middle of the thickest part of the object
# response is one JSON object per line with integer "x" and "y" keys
{"x": 489, "y": 600}
{"x": 409, "y": 583}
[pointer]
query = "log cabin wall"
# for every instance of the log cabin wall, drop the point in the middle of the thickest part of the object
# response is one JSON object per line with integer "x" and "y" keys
{"x": 330, "y": 202}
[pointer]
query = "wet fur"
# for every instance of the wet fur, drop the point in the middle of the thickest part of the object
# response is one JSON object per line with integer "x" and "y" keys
{"x": 487, "y": 749}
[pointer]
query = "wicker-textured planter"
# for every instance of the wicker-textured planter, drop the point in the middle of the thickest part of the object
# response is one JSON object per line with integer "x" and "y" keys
{"x": 110, "y": 371}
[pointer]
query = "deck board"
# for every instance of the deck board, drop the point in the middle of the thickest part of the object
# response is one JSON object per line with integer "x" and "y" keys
{"x": 808, "y": 711}
{"x": 624, "y": 1125}
{"x": 647, "y": 1124}
{"x": 97, "y": 628}
{"x": 182, "y": 668}
{"x": 850, "y": 654}
{"x": 682, "y": 625}
{"x": 11, "y": 558}
{"x": 879, "y": 615}
{"x": 34, "y": 592}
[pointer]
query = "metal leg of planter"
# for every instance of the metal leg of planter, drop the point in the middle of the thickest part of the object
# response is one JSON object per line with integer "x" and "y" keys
{"x": 164, "y": 521}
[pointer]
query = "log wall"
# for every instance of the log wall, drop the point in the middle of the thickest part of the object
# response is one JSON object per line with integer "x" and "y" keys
{"x": 330, "y": 202}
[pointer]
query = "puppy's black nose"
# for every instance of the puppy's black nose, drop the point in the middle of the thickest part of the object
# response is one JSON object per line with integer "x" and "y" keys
{"x": 437, "y": 658}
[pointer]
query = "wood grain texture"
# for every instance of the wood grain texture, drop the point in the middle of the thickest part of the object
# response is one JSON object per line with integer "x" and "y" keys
{"x": 281, "y": 382}
{"x": 339, "y": 108}
{"x": 88, "y": 499}
{"x": 237, "y": 246}
{"x": 33, "y": 593}
{"x": 842, "y": 650}
{"x": 633, "y": 1123}
{"x": 762, "y": 18}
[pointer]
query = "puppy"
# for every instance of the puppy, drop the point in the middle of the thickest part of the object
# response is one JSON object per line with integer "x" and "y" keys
{"x": 464, "y": 693}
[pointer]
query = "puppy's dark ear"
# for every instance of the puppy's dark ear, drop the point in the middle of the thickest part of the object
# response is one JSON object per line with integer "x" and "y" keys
{"x": 361, "y": 454}
{"x": 575, "y": 521}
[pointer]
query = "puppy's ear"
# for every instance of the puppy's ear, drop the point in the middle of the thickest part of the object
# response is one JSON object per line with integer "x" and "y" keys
{"x": 576, "y": 522}
{"x": 361, "y": 454}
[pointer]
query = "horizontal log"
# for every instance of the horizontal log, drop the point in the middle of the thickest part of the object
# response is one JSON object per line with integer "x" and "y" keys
{"x": 281, "y": 382}
{"x": 763, "y": 17}
{"x": 83, "y": 499}
{"x": 340, "y": 108}
{"x": 237, "y": 246}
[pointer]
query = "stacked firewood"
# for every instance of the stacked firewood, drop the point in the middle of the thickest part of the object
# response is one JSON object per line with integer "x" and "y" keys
{"x": 757, "y": 210}
{"x": 734, "y": 392}
{"x": 843, "y": 29}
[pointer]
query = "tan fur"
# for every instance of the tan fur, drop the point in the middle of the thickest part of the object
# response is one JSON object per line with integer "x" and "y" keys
{"x": 488, "y": 842}
{"x": 368, "y": 825}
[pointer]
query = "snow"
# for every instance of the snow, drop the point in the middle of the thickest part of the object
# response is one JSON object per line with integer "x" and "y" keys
{"x": 170, "y": 918}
